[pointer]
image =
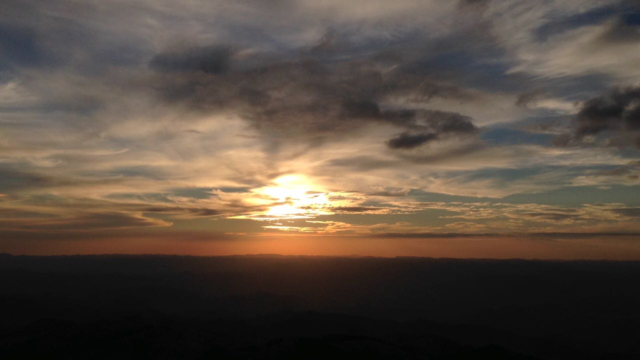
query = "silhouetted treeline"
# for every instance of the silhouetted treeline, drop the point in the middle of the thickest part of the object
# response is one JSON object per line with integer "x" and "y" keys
{"x": 252, "y": 307}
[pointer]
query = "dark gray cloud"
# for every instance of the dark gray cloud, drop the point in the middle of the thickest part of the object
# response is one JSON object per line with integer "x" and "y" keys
{"x": 210, "y": 60}
{"x": 305, "y": 98}
{"x": 619, "y": 171}
{"x": 617, "y": 110}
{"x": 433, "y": 235}
{"x": 570, "y": 215}
{"x": 628, "y": 212}
{"x": 614, "y": 116}
{"x": 446, "y": 122}
{"x": 545, "y": 235}
{"x": 622, "y": 30}
{"x": 410, "y": 141}
{"x": 81, "y": 222}
{"x": 355, "y": 209}
{"x": 194, "y": 212}
{"x": 529, "y": 98}
{"x": 15, "y": 180}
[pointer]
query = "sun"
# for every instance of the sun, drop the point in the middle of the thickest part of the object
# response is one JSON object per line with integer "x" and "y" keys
{"x": 292, "y": 197}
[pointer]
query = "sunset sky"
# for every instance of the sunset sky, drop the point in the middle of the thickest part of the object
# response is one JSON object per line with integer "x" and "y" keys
{"x": 474, "y": 128}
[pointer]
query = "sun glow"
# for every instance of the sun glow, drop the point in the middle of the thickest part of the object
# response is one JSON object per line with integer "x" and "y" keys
{"x": 291, "y": 197}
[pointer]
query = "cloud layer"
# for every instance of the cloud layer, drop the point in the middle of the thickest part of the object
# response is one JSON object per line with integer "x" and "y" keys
{"x": 147, "y": 115}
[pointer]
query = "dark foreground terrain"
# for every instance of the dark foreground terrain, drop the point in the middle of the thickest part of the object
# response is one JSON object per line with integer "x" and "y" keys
{"x": 273, "y": 307}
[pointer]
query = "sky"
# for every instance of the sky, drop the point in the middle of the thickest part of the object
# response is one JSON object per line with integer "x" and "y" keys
{"x": 472, "y": 128}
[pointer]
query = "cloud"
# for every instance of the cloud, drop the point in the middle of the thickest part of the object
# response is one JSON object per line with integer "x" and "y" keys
{"x": 617, "y": 110}
{"x": 117, "y": 108}
{"x": 614, "y": 117}
{"x": 432, "y": 125}
{"x": 356, "y": 209}
{"x": 529, "y": 98}
{"x": 546, "y": 235}
{"x": 628, "y": 212}
{"x": 209, "y": 60}
{"x": 83, "y": 221}
{"x": 190, "y": 212}
{"x": 310, "y": 100}
{"x": 562, "y": 40}
{"x": 624, "y": 175}
{"x": 410, "y": 141}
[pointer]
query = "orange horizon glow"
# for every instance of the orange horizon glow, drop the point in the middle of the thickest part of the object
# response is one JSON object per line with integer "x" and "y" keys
{"x": 318, "y": 245}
